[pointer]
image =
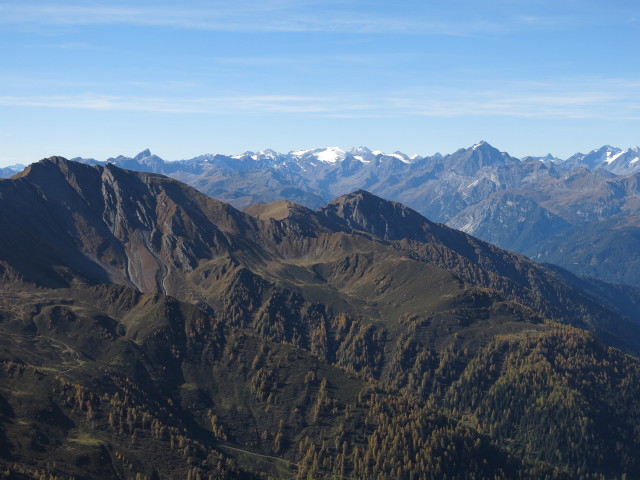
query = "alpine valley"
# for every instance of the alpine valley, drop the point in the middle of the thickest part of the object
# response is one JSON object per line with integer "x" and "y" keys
{"x": 151, "y": 331}
{"x": 582, "y": 213}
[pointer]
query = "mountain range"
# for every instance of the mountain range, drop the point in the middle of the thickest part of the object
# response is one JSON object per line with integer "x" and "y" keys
{"x": 581, "y": 213}
{"x": 148, "y": 330}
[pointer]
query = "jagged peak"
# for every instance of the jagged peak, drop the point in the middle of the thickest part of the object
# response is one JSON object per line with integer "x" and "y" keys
{"x": 604, "y": 148}
{"x": 143, "y": 154}
{"x": 483, "y": 146}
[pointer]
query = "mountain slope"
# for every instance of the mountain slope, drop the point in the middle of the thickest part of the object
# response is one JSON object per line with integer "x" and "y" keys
{"x": 148, "y": 329}
{"x": 510, "y": 221}
{"x": 465, "y": 189}
{"x": 103, "y": 224}
{"x": 152, "y": 233}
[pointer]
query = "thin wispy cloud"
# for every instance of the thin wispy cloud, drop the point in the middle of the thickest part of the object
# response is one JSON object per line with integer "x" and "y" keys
{"x": 80, "y": 70}
{"x": 614, "y": 99}
{"x": 209, "y": 105}
{"x": 220, "y": 18}
{"x": 264, "y": 17}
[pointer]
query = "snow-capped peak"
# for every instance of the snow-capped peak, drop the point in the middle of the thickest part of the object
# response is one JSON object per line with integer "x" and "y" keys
{"x": 478, "y": 145}
{"x": 267, "y": 154}
{"x": 330, "y": 154}
{"x": 620, "y": 161}
{"x": 244, "y": 155}
{"x": 299, "y": 153}
{"x": 359, "y": 151}
{"x": 325, "y": 154}
{"x": 400, "y": 156}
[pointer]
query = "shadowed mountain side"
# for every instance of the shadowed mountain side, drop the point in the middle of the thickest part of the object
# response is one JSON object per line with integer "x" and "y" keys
{"x": 602, "y": 249}
{"x": 107, "y": 224}
{"x": 486, "y": 193}
{"x": 68, "y": 222}
{"x": 622, "y": 298}
{"x": 357, "y": 341}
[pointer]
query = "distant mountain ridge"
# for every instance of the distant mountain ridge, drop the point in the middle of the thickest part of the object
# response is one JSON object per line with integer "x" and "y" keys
{"x": 543, "y": 207}
{"x": 608, "y": 158}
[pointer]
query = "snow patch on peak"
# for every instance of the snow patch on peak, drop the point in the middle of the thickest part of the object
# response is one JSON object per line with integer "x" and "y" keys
{"x": 299, "y": 153}
{"x": 330, "y": 154}
{"x": 246, "y": 154}
{"x": 611, "y": 156}
{"x": 399, "y": 156}
{"x": 605, "y": 151}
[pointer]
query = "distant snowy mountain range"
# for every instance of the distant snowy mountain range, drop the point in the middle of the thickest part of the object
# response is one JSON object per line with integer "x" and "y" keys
{"x": 325, "y": 156}
{"x": 608, "y": 158}
{"x": 582, "y": 213}
{"x": 612, "y": 159}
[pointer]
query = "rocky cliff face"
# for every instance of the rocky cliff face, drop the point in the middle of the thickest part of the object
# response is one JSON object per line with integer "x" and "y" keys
{"x": 104, "y": 224}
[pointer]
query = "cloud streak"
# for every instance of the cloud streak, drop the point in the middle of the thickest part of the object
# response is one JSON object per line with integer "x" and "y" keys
{"x": 208, "y": 105}
{"x": 271, "y": 16}
{"x": 612, "y": 99}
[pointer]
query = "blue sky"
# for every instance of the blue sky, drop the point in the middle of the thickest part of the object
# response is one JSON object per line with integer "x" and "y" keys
{"x": 98, "y": 79}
